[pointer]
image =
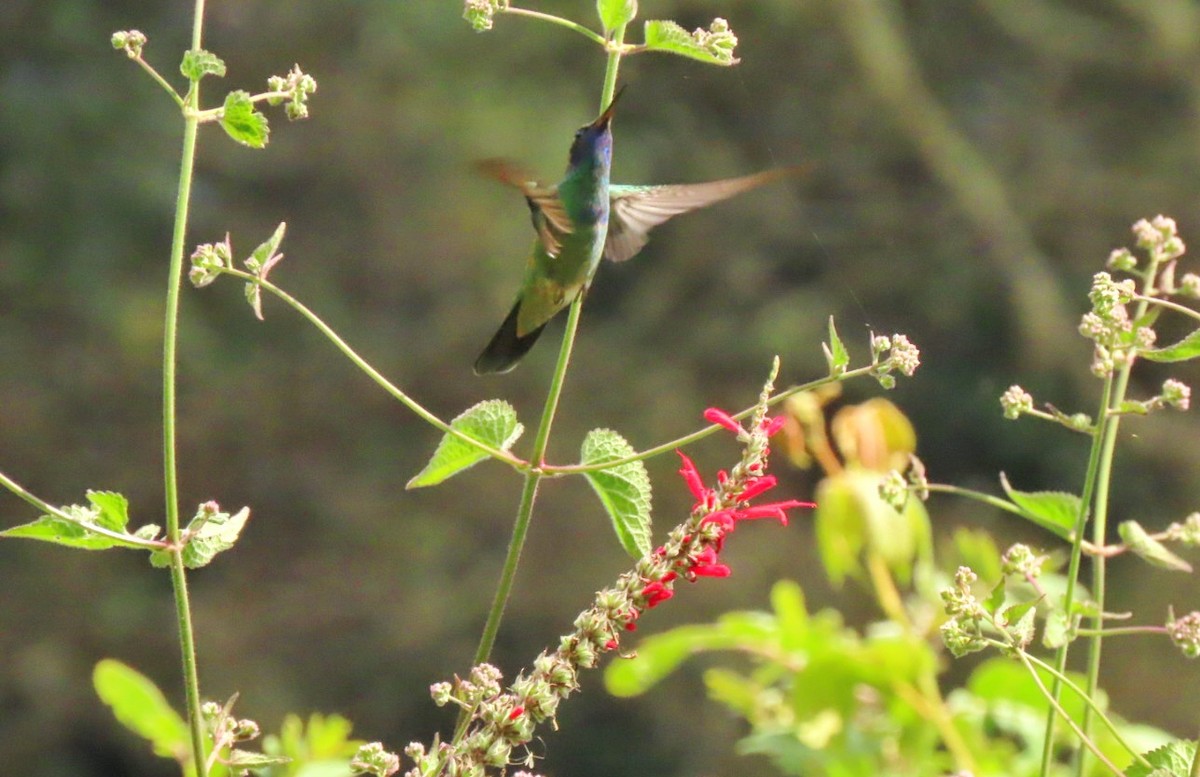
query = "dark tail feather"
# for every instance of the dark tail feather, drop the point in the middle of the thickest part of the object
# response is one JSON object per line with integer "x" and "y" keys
{"x": 507, "y": 347}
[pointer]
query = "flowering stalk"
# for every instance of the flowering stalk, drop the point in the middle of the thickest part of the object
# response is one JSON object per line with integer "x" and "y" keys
{"x": 501, "y": 721}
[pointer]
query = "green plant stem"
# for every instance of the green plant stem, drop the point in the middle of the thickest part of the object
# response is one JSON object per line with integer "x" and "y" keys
{"x": 160, "y": 80}
{"x": 1058, "y": 710}
{"x": 374, "y": 374}
{"x": 187, "y": 640}
{"x": 541, "y": 441}
{"x": 127, "y": 540}
{"x": 570, "y": 25}
{"x": 1169, "y": 305}
{"x": 1060, "y": 659}
{"x": 1118, "y": 631}
{"x": 554, "y": 470}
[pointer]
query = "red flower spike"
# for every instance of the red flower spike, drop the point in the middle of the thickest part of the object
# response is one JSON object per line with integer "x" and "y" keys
{"x": 756, "y": 487}
{"x": 691, "y": 476}
{"x": 772, "y": 425}
{"x": 708, "y": 555}
{"x": 612, "y": 644}
{"x": 717, "y": 416}
{"x": 773, "y": 510}
{"x": 722, "y": 476}
{"x": 517, "y": 712}
{"x": 669, "y": 576}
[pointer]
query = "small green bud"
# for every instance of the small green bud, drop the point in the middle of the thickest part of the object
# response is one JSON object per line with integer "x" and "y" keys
{"x": 1189, "y": 285}
{"x": 1021, "y": 561}
{"x": 1176, "y": 394}
{"x": 1187, "y": 532}
{"x": 961, "y": 640}
{"x": 1122, "y": 259}
{"x": 1016, "y": 401}
{"x": 132, "y": 41}
{"x": 893, "y": 490}
{"x": 442, "y": 693}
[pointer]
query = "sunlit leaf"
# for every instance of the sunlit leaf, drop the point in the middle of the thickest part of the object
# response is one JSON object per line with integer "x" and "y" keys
{"x": 1171, "y": 760}
{"x": 1185, "y": 349}
{"x": 624, "y": 490}
{"x": 492, "y": 422}
{"x": 198, "y": 63}
{"x": 141, "y": 707}
{"x": 242, "y": 123}
{"x": 1153, "y": 551}
{"x": 836, "y": 355}
{"x": 1054, "y": 511}
{"x": 614, "y": 13}
{"x": 714, "y": 45}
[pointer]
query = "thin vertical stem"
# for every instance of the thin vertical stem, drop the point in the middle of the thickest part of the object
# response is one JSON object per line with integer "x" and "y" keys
{"x": 542, "y": 439}
{"x": 187, "y": 641}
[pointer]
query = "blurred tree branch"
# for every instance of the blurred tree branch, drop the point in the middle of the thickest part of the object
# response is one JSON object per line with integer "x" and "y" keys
{"x": 874, "y": 31}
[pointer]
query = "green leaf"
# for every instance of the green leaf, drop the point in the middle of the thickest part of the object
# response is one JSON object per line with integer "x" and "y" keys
{"x": 492, "y": 422}
{"x": 615, "y": 13}
{"x": 109, "y": 511}
{"x": 241, "y": 122}
{"x": 247, "y": 759}
{"x": 624, "y": 490}
{"x": 1054, "y": 511}
{"x": 265, "y": 253}
{"x": 661, "y": 654}
{"x": 1185, "y": 349}
{"x": 1173, "y": 759}
{"x": 836, "y": 355}
{"x": 141, "y": 707}
{"x": 198, "y": 63}
{"x": 1153, "y": 551}
{"x": 714, "y": 46}
{"x": 211, "y": 533}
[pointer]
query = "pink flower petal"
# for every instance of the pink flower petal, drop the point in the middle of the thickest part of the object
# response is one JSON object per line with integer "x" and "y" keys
{"x": 717, "y": 416}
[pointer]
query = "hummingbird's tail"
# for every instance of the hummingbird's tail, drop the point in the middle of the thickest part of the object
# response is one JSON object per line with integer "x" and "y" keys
{"x": 506, "y": 347}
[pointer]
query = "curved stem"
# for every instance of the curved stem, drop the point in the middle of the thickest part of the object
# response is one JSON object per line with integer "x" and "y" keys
{"x": 570, "y": 25}
{"x": 187, "y": 639}
{"x": 1169, "y": 305}
{"x": 374, "y": 374}
{"x": 557, "y": 470}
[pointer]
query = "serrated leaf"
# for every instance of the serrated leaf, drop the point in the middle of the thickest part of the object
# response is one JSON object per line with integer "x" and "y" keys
{"x": 492, "y": 422}
{"x": 112, "y": 509}
{"x": 213, "y": 534}
{"x": 1185, "y": 349}
{"x": 624, "y": 490}
{"x": 109, "y": 511}
{"x": 1150, "y": 549}
{"x": 995, "y": 599}
{"x": 241, "y": 122}
{"x": 141, "y": 707}
{"x": 1173, "y": 759}
{"x": 198, "y": 63}
{"x": 1054, "y": 511}
{"x": 836, "y": 354}
{"x": 614, "y": 13}
{"x": 714, "y": 46}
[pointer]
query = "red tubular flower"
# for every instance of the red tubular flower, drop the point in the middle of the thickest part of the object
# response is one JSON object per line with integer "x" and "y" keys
{"x": 717, "y": 416}
{"x": 612, "y": 644}
{"x": 517, "y": 712}
{"x": 756, "y": 487}
{"x": 723, "y": 518}
{"x": 691, "y": 476}
{"x": 711, "y": 570}
{"x": 772, "y": 510}
{"x": 656, "y": 593}
{"x": 773, "y": 425}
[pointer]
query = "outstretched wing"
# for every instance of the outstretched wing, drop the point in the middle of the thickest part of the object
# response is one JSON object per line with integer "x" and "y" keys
{"x": 638, "y": 209}
{"x": 549, "y": 217}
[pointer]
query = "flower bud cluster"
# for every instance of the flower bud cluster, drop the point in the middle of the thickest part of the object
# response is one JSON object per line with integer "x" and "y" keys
{"x": 1016, "y": 401}
{"x": 208, "y": 260}
{"x": 295, "y": 87}
{"x": 963, "y": 633}
{"x": 1185, "y": 633}
{"x": 901, "y": 356}
{"x": 1021, "y": 561}
{"x": 480, "y": 12}
{"x": 131, "y": 41}
{"x": 504, "y": 721}
{"x": 1187, "y": 532}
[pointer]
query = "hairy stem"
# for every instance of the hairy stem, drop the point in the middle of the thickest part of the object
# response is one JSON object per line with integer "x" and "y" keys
{"x": 187, "y": 640}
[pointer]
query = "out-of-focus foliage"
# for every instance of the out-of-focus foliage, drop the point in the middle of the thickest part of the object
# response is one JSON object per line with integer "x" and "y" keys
{"x": 961, "y": 185}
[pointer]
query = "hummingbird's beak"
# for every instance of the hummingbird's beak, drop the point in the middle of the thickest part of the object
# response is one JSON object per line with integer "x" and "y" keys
{"x": 603, "y": 119}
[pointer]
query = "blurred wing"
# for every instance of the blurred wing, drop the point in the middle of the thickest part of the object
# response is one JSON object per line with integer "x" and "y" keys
{"x": 638, "y": 209}
{"x": 549, "y": 217}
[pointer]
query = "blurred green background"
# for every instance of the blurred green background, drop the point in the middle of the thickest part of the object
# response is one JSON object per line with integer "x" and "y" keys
{"x": 971, "y": 164}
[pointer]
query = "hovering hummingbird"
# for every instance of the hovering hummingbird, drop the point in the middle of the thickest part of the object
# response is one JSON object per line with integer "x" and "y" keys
{"x": 581, "y": 219}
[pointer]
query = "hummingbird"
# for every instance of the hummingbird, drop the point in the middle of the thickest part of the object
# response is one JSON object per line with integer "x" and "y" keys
{"x": 580, "y": 220}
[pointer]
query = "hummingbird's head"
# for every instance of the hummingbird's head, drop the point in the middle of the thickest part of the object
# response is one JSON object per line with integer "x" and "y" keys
{"x": 593, "y": 142}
